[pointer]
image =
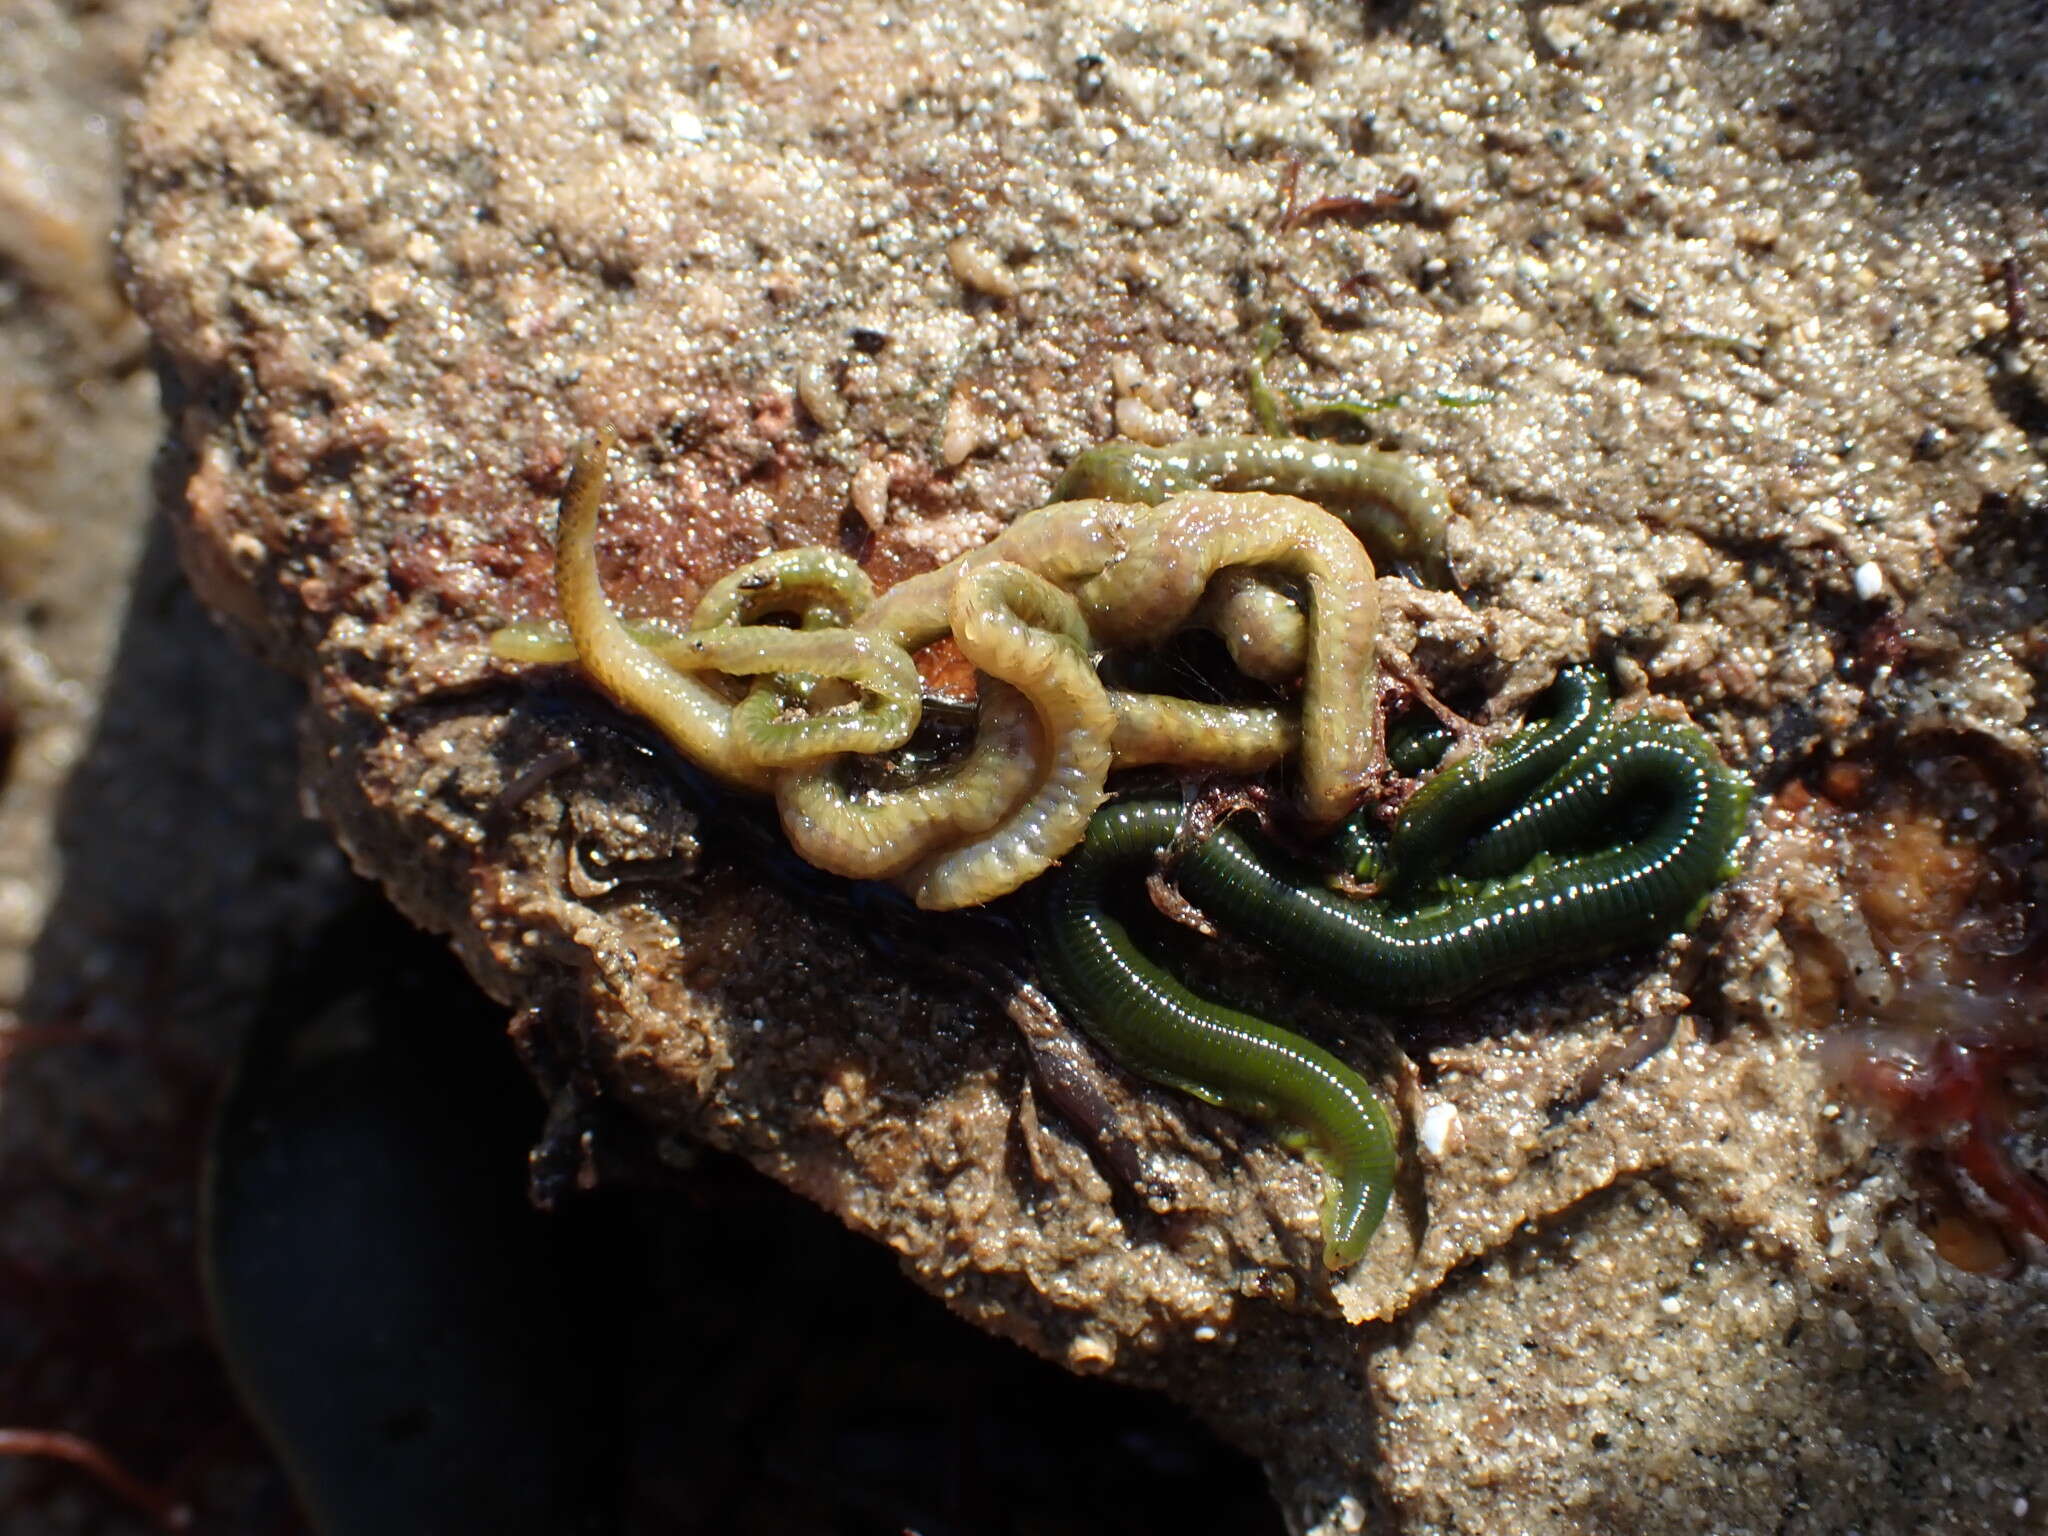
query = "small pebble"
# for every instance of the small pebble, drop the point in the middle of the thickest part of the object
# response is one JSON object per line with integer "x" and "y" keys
{"x": 1438, "y": 1128}
{"x": 976, "y": 266}
{"x": 1869, "y": 581}
{"x": 820, "y": 396}
{"x": 964, "y": 434}
{"x": 870, "y": 493}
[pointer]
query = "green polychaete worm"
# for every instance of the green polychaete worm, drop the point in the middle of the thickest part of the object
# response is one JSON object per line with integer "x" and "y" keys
{"x": 1160, "y": 1030}
{"x": 1482, "y": 888}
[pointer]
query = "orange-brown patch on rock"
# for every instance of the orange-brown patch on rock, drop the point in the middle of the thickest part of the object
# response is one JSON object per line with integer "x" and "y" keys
{"x": 945, "y": 670}
{"x": 1946, "y": 1041}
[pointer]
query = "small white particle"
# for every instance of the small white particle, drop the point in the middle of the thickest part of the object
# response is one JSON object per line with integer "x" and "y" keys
{"x": 1869, "y": 581}
{"x": 976, "y": 266}
{"x": 870, "y": 493}
{"x": 964, "y": 433}
{"x": 820, "y": 395}
{"x": 1205, "y": 1333}
{"x": 1437, "y": 1128}
{"x": 1670, "y": 1306}
{"x": 2019, "y": 1507}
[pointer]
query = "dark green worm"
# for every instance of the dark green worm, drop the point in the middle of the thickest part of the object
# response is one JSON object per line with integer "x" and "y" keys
{"x": 1471, "y": 791}
{"x": 1158, "y": 1029}
{"x": 1560, "y": 912}
{"x": 1417, "y": 745}
{"x": 1587, "y": 801}
{"x": 1680, "y": 809}
{"x": 1480, "y": 787}
{"x": 1394, "y": 504}
{"x": 1358, "y": 851}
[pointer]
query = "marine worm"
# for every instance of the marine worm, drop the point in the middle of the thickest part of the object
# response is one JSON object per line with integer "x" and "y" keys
{"x": 824, "y": 591}
{"x": 821, "y": 587}
{"x": 1479, "y": 787}
{"x": 1394, "y": 504}
{"x": 1261, "y": 626}
{"x": 775, "y": 731}
{"x": 1574, "y": 909}
{"x": 1064, "y": 543}
{"x": 691, "y": 711}
{"x": 1016, "y": 626}
{"x": 868, "y": 833}
{"x": 1221, "y": 738}
{"x": 1163, "y": 1032}
{"x": 1358, "y": 851}
{"x": 786, "y": 718}
{"x": 1587, "y": 799}
{"x": 1157, "y": 582}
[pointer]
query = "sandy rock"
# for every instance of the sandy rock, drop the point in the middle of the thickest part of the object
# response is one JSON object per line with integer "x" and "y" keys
{"x": 1717, "y": 270}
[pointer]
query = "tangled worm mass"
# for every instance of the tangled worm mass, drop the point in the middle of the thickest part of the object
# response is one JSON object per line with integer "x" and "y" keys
{"x": 1587, "y": 831}
{"x": 790, "y": 670}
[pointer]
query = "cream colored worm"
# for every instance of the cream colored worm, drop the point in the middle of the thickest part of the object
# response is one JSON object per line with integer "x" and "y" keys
{"x": 877, "y": 834}
{"x": 686, "y": 708}
{"x": 1048, "y": 732}
{"x": 1223, "y": 738}
{"x": 825, "y": 591}
{"x": 1261, "y": 626}
{"x": 821, "y": 587}
{"x": 774, "y": 733}
{"x": 1064, "y": 543}
{"x": 652, "y": 669}
{"x": 1157, "y": 583}
{"x": 1019, "y": 628}
{"x": 1070, "y": 541}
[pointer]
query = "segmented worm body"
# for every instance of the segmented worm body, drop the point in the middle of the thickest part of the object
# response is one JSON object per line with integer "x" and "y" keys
{"x": 1223, "y": 738}
{"x": 1480, "y": 787}
{"x": 878, "y": 833}
{"x": 687, "y": 708}
{"x": 1588, "y": 882}
{"x": 1156, "y": 584}
{"x": 1566, "y": 907}
{"x": 1663, "y": 769}
{"x": 1019, "y": 628}
{"x": 1065, "y": 543}
{"x": 790, "y": 667}
{"x": 1162, "y": 1031}
{"x": 1260, "y": 624}
{"x": 1394, "y": 504}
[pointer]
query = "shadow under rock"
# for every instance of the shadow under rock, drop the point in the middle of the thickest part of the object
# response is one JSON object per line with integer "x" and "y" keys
{"x": 187, "y": 872}
{"x": 768, "y": 1371}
